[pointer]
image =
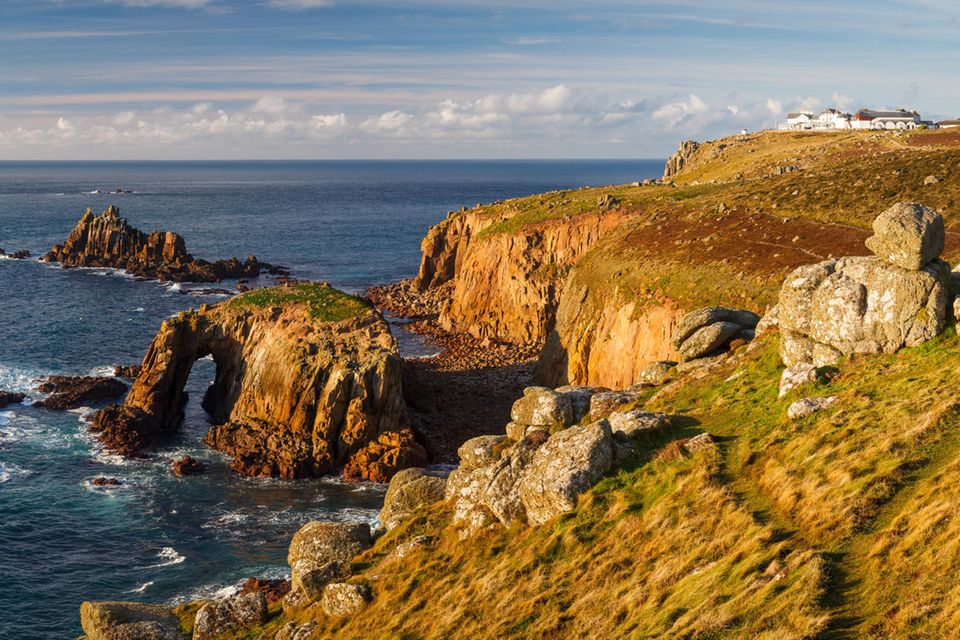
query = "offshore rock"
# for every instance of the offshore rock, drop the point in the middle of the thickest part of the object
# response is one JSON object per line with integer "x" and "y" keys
{"x": 9, "y": 397}
{"x": 128, "y": 621}
{"x": 70, "y": 392}
{"x": 187, "y": 466}
{"x": 108, "y": 240}
{"x": 236, "y": 612}
{"x": 294, "y": 395}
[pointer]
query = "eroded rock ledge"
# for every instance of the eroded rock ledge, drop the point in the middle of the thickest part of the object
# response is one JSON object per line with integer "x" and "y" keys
{"x": 308, "y": 382}
{"x": 108, "y": 240}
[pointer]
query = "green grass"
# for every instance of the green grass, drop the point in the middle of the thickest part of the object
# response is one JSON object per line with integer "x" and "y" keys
{"x": 323, "y": 302}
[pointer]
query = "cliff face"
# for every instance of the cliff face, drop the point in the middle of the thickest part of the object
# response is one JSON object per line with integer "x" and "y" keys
{"x": 606, "y": 342}
{"x": 506, "y": 286}
{"x": 294, "y": 395}
{"x": 108, "y": 240}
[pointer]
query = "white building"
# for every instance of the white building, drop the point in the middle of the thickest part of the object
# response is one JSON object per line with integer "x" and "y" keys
{"x": 834, "y": 119}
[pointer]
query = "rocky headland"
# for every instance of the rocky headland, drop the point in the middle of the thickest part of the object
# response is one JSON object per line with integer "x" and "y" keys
{"x": 744, "y": 425}
{"x": 107, "y": 240}
{"x": 308, "y": 383}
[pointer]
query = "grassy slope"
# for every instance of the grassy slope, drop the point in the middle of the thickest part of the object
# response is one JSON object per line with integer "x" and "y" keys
{"x": 322, "y": 301}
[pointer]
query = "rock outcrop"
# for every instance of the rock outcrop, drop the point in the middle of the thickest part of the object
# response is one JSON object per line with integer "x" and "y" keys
{"x": 70, "y": 392}
{"x": 10, "y": 397}
{"x": 128, "y": 621}
{"x": 547, "y": 459}
{"x": 872, "y": 304}
{"x": 187, "y": 466}
{"x": 343, "y": 599}
{"x": 307, "y": 380}
{"x": 108, "y": 240}
{"x": 677, "y": 162}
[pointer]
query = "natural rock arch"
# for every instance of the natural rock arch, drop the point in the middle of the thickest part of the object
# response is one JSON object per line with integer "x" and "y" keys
{"x": 292, "y": 396}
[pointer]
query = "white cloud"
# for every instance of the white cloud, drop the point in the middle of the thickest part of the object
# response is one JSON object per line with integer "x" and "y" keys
{"x": 273, "y": 105}
{"x": 774, "y": 106}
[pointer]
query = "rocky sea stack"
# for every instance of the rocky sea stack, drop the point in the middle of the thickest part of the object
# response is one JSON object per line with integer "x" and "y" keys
{"x": 308, "y": 383}
{"x": 108, "y": 240}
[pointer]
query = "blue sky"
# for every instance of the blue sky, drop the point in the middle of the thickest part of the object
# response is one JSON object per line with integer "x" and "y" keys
{"x": 170, "y": 79}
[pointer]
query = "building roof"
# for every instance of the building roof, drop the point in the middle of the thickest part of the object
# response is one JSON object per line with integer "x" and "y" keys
{"x": 953, "y": 122}
{"x": 797, "y": 114}
{"x": 890, "y": 113}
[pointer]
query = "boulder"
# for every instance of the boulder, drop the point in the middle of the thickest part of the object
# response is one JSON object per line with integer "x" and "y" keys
{"x": 705, "y": 340}
{"x": 488, "y": 494}
{"x": 128, "y": 621}
{"x": 318, "y": 543}
{"x": 631, "y": 423}
{"x": 699, "y": 442}
{"x": 569, "y": 463}
{"x": 412, "y": 545}
{"x": 236, "y": 612}
{"x": 479, "y": 451}
{"x": 907, "y": 235}
{"x": 796, "y": 376}
{"x": 294, "y": 631}
{"x": 380, "y": 459}
{"x": 603, "y": 404}
{"x": 696, "y": 320}
{"x": 656, "y": 373}
{"x": 272, "y": 590}
{"x": 410, "y": 489}
{"x": 580, "y": 399}
{"x": 859, "y": 305}
{"x": 543, "y": 407}
{"x": 343, "y": 599}
{"x": 769, "y": 320}
{"x": 807, "y": 406}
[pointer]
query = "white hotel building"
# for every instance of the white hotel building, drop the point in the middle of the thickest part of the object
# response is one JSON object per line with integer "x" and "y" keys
{"x": 832, "y": 119}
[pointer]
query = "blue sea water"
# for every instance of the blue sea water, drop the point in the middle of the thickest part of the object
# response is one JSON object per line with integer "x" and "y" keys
{"x": 158, "y": 538}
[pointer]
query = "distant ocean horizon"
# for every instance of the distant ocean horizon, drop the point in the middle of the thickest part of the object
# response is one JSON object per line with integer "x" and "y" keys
{"x": 158, "y": 538}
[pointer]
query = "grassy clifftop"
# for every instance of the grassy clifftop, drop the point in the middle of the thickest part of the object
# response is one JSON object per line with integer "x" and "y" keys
{"x": 322, "y": 302}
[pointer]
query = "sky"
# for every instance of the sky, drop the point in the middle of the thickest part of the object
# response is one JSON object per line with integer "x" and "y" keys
{"x": 345, "y": 79}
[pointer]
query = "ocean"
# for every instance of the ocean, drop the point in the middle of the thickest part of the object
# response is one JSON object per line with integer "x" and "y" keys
{"x": 156, "y": 537}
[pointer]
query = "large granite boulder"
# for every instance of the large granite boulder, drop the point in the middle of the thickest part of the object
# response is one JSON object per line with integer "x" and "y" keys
{"x": 708, "y": 330}
{"x": 410, "y": 489}
{"x": 859, "y": 305}
{"x": 569, "y": 463}
{"x": 236, "y": 612}
{"x": 542, "y": 407}
{"x": 907, "y": 235}
{"x": 128, "y": 621}
{"x": 317, "y": 544}
{"x": 656, "y": 373}
{"x": 632, "y": 423}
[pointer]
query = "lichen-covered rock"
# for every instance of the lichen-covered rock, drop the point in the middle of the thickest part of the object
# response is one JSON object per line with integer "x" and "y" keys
{"x": 808, "y": 406}
{"x": 908, "y": 235}
{"x": 412, "y": 545}
{"x": 318, "y": 543}
{"x": 485, "y": 495}
{"x": 236, "y": 612}
{"x": 769, "y": 320}
{"x": 656, "y": 373}
{"x": 698, "y": 442}
{"x": 128, "y": 621}
{"x": 859, "y": 305}
{"x": 544, "y": 407}
{"x": 479, "y": 451}
{"x": 410, "y": 489}
{"x": 300, "y": 390}
{"x": 796, "y": 376}
{"x": 294, "y": 631}
{"x": 343, "y": 599}
{"x": 570, "y": 462}
{"x": 631, "y": 423}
